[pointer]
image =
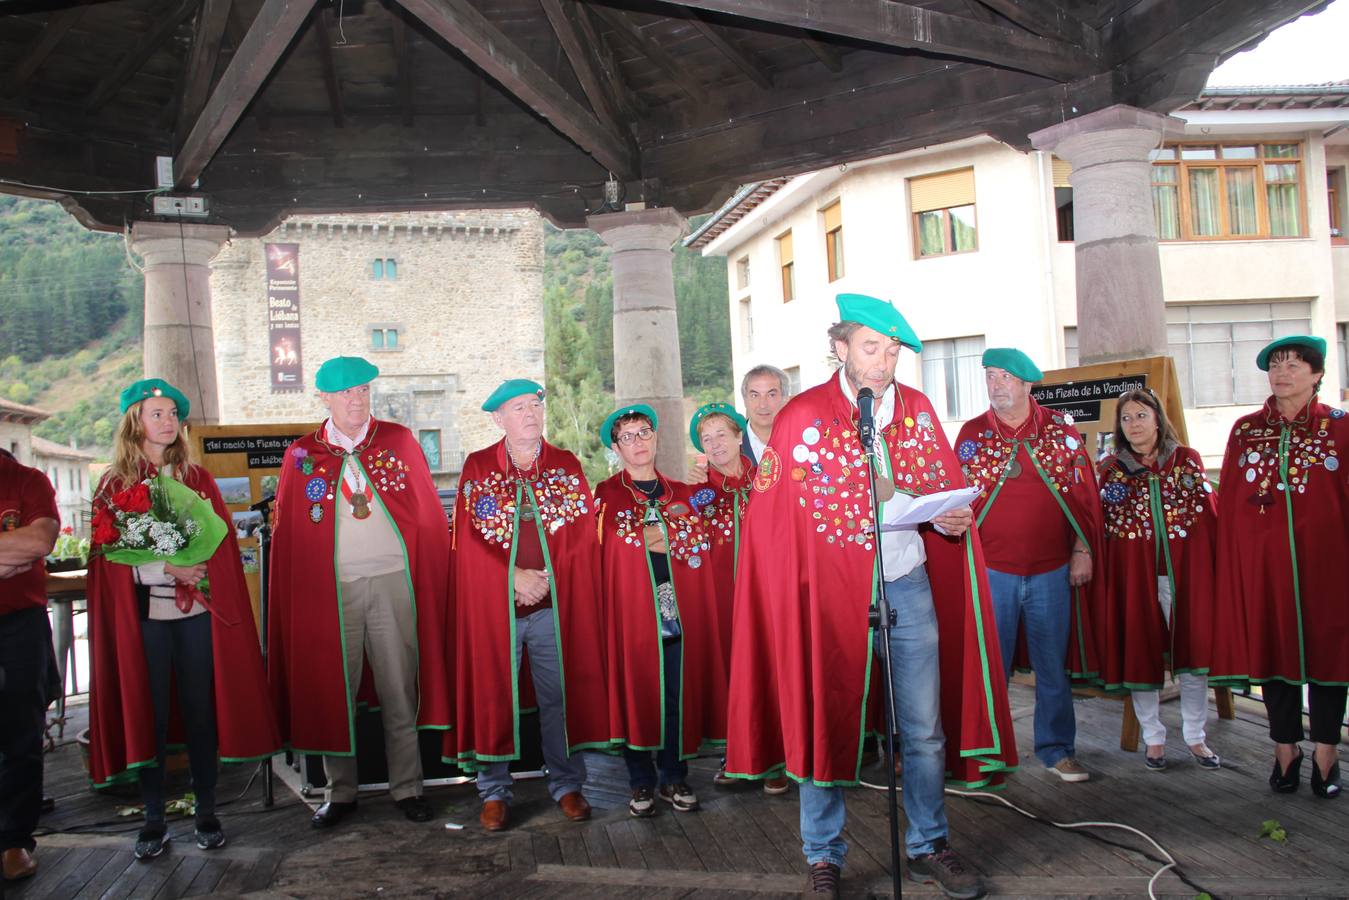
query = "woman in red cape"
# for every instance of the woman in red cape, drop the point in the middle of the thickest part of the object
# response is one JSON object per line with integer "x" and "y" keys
{"x": 1283, "y": 561}
{"x": 140, "y": 632}
{"x": 1157, "y": 574}
{"x": 986, "y": 459}
{"x": 667, "y": 669}
{"x": 802, "y": 694}
{"x": 306, "y": 653}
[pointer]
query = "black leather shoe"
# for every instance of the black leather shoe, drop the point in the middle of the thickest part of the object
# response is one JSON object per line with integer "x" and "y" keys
{"x": 1286, "y": 781}
{"x": 417, "y": 809}
{"x": 1328, "y": 787}
{"x": 330, "y": 813}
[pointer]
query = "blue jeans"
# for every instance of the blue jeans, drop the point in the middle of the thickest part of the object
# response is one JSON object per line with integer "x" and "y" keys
{"x": 1042, "y": 603}
{"x": 917, "y": 685}
{"x": 673, "y": 770}
{"x": 537, "y": 631}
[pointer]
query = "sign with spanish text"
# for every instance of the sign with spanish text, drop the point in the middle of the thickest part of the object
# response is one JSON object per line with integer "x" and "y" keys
{"x": 283, "y": 316}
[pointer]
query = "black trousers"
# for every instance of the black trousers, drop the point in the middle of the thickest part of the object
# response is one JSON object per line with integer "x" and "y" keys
{"x": 25, "y": 652}
{"x": 1283, "y": 705}
{"x": 180, "y": 649}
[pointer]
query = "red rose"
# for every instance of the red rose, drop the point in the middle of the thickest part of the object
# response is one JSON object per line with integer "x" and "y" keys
{"x": 135, "y": 499}
{"x": 105, "y": 527}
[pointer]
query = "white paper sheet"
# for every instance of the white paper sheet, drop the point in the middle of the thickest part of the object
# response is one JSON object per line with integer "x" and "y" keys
{"x": 902, "y": 517}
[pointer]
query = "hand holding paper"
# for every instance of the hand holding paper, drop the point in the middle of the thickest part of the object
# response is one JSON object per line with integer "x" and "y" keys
{"x": 902, "y": 516}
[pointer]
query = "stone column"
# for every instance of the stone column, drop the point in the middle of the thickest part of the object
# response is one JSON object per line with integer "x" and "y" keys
{"x": 1121, "y": 311}
{"x": 179, "y": 344}
{"x": 646, "y": 332}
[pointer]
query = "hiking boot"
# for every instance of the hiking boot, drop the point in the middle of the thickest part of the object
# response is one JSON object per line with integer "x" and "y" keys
{"x": 822, "y": 881}
{"x": 643, "y": 802}
{"x": 943, "y": 867}
{"x": 1069, "y": 769}
{"x": 680, "y": 796}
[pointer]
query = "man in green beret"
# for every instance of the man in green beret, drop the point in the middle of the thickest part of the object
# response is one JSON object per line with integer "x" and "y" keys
{"x": 526, "y": 578}
{"x": 359, "y": 564}
{"x": 809, "y": 574}
{"x": 1039, "y": 518}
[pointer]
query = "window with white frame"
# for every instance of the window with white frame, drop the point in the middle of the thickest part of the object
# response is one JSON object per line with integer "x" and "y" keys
{"x": 793, "y": 380}
{"x": 746, "y": 324}
{"x": 1215, "y": 345}
{"x": 953, "y": 376}
{"x": 1071, "y": 359}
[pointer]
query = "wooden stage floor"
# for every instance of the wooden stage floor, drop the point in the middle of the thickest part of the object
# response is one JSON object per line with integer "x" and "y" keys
{"x": 741, "y": 844}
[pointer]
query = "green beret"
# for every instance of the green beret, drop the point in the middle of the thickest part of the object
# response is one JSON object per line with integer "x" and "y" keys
{"x": 708, "y": 409}
{"x": 1293, "y": 340}
{"x": 635, "y": 408}
{"x": 342, "y": 372}
{"x": 155, "y": 387}
{"x": 509, "y": 390}
{"x": 1014, "y": 361}
{"x": 880, "y": 315}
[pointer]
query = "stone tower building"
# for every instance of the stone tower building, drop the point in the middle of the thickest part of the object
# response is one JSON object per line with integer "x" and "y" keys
{"x": 446, "y": 304}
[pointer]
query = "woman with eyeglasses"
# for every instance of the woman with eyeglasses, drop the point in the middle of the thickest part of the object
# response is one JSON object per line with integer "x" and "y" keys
{"x": 1283, "y": 561}
{"x": 1160, "y": 527}
{"x": 667, "y": 669}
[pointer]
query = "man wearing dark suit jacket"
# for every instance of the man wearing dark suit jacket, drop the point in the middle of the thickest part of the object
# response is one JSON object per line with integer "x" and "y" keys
{"x": 765, "y": 390}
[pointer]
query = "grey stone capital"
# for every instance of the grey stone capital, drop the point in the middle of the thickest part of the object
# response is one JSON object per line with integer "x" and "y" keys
{"x": 1115, "y": 134}
{"x": 645, "y": 229}
{"x": 171, "y": 243}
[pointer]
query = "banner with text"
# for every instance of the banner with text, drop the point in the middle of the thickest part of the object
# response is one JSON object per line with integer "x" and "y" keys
{"x": 283, "y": 316}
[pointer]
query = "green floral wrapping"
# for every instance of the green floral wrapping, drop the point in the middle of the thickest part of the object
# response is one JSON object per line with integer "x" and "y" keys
{"x": 173, "y": 501}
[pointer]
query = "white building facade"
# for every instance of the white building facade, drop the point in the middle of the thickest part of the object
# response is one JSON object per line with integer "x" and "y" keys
{"x": 67, "y": 468}
{"x": 973, "y": 242}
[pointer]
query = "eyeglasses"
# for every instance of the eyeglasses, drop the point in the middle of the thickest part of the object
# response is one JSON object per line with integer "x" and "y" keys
{"x": 644, "y": 434}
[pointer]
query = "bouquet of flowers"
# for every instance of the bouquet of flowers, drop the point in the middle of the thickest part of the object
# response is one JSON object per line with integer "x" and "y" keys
{"x": 159, "y": 520}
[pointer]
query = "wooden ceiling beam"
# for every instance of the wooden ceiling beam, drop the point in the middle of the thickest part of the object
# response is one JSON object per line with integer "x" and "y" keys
{"x": 323, "y": 36}
{"x": 628, "y": 102}
{"x": 236, "y": 29}
{"x": 584, "y": 62}
{"x": 1048, "y": 19}
{"x": 640, "y": 43}
{"x": 825, "y": 53}
{"x": 272, "y": 31}
{"x": 207, "y": 34}
{"x": 912, "y": 27}
{"x": 137, "y": 56}
{"x": 460, "y": 24}
{"x": 737, "y": 55}
{"x": 402, "y": 49}
{"x": 57, "y": 26}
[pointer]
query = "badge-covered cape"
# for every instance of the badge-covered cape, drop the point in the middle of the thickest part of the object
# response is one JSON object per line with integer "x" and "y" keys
{"x": 802, "y": 673}
{"x": 1283, "y": 548}
{"x": 1060, "y": 460}
{"x": 1160, "y": 522}
{"x": 121, "y": 718}
{"x": 722, "y": 501}
{"x": 632, "y": 619}
{"x": 488, "y": 689}
{"x": 306, "y": 657}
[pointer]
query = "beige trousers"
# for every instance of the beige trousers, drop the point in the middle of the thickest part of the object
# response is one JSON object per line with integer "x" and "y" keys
{"x": 378, "y": 619}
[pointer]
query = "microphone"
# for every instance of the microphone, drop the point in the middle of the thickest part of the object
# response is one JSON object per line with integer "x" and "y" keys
{"x": 866, "y": 420}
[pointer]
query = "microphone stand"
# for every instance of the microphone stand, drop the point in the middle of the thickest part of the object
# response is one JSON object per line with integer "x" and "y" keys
{"x": 264, "y": 506}
{"x": 884, "y": 617}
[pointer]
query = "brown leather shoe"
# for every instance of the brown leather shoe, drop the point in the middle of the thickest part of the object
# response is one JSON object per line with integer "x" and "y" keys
{"x": 494, "y": 815}
{"x": 18, "y": 863}
{"x": 574, "y": 806}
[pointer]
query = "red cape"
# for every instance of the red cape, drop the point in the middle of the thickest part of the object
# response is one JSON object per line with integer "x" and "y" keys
{"x": 1283, "y": 548}
{"x": 801, "y": 671}
{"x": 636, "y": 673}
{"x": 722, "y": 500}
{"x": 1062, "y": 462}
{"x": 1135, "y": 644}
{"x": 121, "y": 718}
{"x": 487, "y": 685}
{"x": 306, "y": 656}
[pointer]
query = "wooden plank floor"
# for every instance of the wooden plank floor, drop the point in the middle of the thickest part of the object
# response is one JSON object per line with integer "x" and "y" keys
{"x": 741, "y": 844}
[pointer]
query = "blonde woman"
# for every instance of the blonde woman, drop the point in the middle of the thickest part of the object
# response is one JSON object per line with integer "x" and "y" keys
{"x": 168, "y": 659}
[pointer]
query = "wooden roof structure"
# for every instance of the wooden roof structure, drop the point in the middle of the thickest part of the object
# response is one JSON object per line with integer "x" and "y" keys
{"x": 284, "y": 106}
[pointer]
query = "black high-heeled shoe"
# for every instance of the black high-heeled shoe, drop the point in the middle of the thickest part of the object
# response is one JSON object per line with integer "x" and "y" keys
{"x": 1328, "y": 787}
{"x": 1287, "y": 781}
